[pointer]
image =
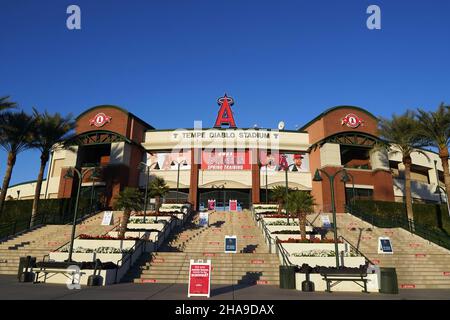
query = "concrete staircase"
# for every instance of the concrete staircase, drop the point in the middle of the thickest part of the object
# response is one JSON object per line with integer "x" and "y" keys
{"x": 253, "y": 264}
{"x": 419, "y": 263}
{"x": 44, "y": 239}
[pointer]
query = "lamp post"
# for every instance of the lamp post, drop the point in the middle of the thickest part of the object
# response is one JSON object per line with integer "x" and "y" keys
{"x": 178, "y": 164}
{"x": 147, "y": 168}
{"x": 261, "y": 166}
{"x": 439, "y": 188}
{"x": 344, "y": 179}
{"x": 81, "y": 175}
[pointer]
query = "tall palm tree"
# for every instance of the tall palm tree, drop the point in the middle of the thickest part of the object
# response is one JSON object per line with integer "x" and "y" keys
{"x": 6, "y": 104}
{"x": 401, "y": 132}
{"x": 301, "y": 202}
{"x": 51, "y": 131}
{"x": 278, "y": 194}
{"x": 130, "y": 199}
{"x": 157, "y": 189}
{"x": 434, "y": 127}
{"x": 16, "y": 135}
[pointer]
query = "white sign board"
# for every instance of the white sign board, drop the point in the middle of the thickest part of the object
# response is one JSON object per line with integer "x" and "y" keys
{"x": 385, "y": 245}
{"x": 230, "y": 244}
{"x": 107, "y": 218}
{"x": 325, "y": 221}
{"x": 203, "y": 218}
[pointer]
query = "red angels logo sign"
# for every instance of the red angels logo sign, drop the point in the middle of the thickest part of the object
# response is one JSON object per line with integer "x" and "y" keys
{"x": 352, "y": 121}
{"x": 100, "y": 120}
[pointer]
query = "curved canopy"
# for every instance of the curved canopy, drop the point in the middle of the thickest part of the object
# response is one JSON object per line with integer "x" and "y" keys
{"x": 350, "y": 138}
{"x": 97, "y": 137}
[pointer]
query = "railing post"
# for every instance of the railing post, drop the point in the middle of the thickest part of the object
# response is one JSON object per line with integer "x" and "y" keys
{"x": 14, "y": 228}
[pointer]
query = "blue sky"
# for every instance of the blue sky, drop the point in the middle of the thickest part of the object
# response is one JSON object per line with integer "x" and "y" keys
{"x": 168, "y": 61}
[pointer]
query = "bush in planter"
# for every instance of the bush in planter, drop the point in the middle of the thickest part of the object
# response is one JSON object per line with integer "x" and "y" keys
{"x": 281, "y": 223}
{"x": 305, "y": 240}
{"x": 104, "y": 237}
{"x": 293, "y": 232}
{"x": 322, "y": 253}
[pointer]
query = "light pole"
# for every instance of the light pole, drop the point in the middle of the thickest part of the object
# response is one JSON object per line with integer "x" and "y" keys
{"x": 286, "y": 170}
{"x": 439, "y": 188}
{"x": 261, "y": 166}
{"x": 147, "y": 168}
{"x": 344, "y": 179}
{"x": 178, "y": 164}
{"x": 80, "y": 175}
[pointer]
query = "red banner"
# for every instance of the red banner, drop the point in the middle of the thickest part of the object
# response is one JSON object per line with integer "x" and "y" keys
{"x": 233, "y": 160}
{"x": 233, "y": 205}
{"x": 199, "y": 278}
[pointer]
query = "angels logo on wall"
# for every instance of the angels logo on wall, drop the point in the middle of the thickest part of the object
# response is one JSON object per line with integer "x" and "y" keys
{"x": 99, "y": 120}
{"x": 351, "y": 120}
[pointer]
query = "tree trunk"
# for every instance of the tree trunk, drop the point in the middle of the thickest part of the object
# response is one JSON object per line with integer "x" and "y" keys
{"x": 443, "y": 154}
{"x": 9, "y": 168}
{"x": 302, "y": 224}
{"x": 157, "y": 201}
{"x": 37, "y": 191}
{"x": 124, "y": 224}
{"x": 279, "y": 206}
{"x": 408, "y": 198}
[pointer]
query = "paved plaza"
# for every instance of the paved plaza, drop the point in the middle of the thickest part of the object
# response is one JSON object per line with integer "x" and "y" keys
{"x": 11, "y": 289}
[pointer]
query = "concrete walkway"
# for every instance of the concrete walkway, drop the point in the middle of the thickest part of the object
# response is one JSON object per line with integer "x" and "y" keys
{"x": 11, "y": 289}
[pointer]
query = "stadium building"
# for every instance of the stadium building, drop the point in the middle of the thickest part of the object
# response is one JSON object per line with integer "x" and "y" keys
{"x": 225, "y": 162}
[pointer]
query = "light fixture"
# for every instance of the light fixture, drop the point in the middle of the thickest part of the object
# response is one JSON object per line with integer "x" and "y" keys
{"x": 317, "y": 177}
{"x": 345, "y": 178}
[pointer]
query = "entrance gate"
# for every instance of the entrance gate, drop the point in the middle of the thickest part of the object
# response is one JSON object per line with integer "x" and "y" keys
{"x": 223, "y": 196}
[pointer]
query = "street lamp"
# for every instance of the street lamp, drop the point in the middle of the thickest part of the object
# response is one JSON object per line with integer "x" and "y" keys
{"x": 178, "y": 164}
{"x": 81, "y": 175}
{"x": 147, "y": 168}
{"x": 439, "y": 188}
{"x": 345, "y": 178}
{"x": 265, "y": 165}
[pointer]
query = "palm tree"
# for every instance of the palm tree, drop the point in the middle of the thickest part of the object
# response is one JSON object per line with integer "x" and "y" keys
{"x": 16, "y": 135}
{"x": 434, "y": 127}
{"x": 157, "y": 189}
{"x": 51, "y": 131}
{"x": 401, "y": 132}
{"x": 130, "y": 199}
{"x": 5, "y": 104}
{"x": 301, "y": 202}
{"x": 278, "y": 194}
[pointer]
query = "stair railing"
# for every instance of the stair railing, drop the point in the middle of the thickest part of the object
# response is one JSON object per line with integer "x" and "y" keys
{"x": 356, "y": 249}
{"x": 283, "y": 252}
{"x": 140, "y": 244}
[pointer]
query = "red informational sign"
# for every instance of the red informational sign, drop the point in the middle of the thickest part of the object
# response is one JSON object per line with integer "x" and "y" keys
{"x": 199, "y": 278}
{"x": 233, "y": 205}
{"x": 226, "y": 160}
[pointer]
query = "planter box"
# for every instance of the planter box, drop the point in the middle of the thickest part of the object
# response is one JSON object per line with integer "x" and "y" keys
{"x": 327, "y": 261}
{"x": 293, "y": 228}
{"x": 292, "y": 236}
{"x": 136, "y": 234}
{"x": 86, "y": 257}
{"x": 151, "y": 219}
{"x": 96, "y": 243}
{"x": 300, "y": 247}
{"x": 147, "y": 226}
{"x": 346, "y": 286}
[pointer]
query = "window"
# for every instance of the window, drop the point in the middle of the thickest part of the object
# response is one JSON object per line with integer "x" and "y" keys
{"x": 360, "y": 194}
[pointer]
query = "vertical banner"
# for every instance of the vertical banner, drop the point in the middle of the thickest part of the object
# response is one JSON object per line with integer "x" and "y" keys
{"x": 107, "y": 218}
{"x": 385, "y": 245}
{"x": 199, "y": 278}
{"x": 233, "y": 205}
{"x": 230, "y": 244}
{"x": 212, "y": 204}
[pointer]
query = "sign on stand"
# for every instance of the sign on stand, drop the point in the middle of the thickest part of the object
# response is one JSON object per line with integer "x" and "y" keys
{"x": 233, "y": 205}
{"x": 203, "y": 218}
{"x": 199, "y": 278}
{"x": 212, "y": 204}
{"x": 107, "y": 218}
{"x": 230, "y": 244}
{"x": 325, "y": 221}
{"x": 385, "y": 245}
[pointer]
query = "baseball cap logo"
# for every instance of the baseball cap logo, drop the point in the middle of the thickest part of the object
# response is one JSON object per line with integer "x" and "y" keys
{"x": 352, "y": 121}
{"x": 100, "y": 120}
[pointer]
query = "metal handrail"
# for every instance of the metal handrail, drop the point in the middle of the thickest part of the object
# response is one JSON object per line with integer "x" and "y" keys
{"x": 284, "y": 253}
{"x": 356, "y": 249}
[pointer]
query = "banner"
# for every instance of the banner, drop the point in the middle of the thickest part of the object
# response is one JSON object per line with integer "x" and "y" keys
{"x": 279, "y": 161}
{"x": 230, "y": 244}
{"x": 325, "y": 221}
{"x": 385, "y": 245}
{"x": 233, "y": 205}
{"x": 199, "y": 278}
{"x": 212, "y": 204}
{"x": 107, "y": 218}
{"x": 232, "y": 160}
